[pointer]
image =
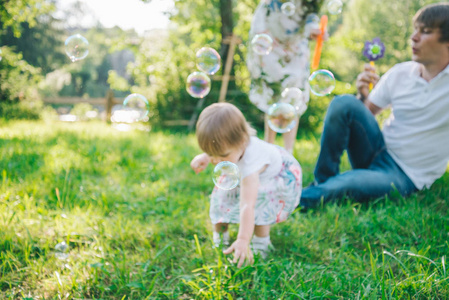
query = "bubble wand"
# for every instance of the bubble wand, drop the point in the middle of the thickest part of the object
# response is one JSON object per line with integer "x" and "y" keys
{"x": 319, "y": 43}
{"x": 373, "y": 51}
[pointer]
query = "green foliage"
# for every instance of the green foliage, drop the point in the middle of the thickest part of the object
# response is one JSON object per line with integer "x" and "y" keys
{"x": 80, "y": 110}
{"x": 135, "y": 218}
{"x": 165, "y": 59}
{"x": 40, "y": 43}
{"x": 364, "y": 20}
{"x": 90, "y": 76}
{"x": 18, "y": 78}
{"x": 23, "y": 110}
{"x": 15, "y": 13}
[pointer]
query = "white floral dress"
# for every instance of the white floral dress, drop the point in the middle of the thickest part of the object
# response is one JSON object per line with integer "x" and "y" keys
{"x": 287, "y": 65}
{"x": 279, "y": 189}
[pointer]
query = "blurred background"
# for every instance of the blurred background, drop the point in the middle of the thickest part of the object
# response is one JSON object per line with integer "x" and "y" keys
{"x": 149, "y": 46}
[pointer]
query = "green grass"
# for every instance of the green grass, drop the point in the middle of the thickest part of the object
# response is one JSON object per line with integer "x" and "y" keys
{"x": 135, "y": 217}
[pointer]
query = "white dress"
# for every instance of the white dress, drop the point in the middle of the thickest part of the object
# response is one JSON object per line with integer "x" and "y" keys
{"x": 287, "y": 65}
{"x": 279, "y": 189}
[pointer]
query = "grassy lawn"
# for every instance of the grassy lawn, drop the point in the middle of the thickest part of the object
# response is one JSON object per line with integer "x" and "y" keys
{"x": 135, "y": 219}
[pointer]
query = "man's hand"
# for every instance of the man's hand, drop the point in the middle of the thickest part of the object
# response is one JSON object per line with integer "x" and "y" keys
{"x": 200, "y": 162}
{"x": 315, "y": 32}
{"x": 364, "y": 79}
{"x": 241, "y": 251}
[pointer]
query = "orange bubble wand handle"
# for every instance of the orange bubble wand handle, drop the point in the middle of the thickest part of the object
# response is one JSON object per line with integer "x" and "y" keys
{"x": 371, "y": 84}
{"x": 319, "y": 43}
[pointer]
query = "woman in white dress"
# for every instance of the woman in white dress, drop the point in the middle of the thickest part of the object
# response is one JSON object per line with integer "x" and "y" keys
{"x": 287, "y": 65}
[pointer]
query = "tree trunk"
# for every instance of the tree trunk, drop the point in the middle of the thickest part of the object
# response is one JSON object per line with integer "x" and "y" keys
{"x": 227, "y": 26}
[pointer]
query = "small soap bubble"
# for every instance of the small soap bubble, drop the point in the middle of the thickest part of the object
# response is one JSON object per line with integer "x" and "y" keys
{"x": 295, "y": 97}
{"x": 60, "y": 251}
{"x": 281, "y": 117}
{"x": 288, "y": 9}
{"x": 262, "y": 44}
{"x": 76, "y": 47}
{"x": 334, "y": 7}
{"x": 322, "y": 82}
{"x": 198, "y": 84}
{"x": 312, "y": 18}
{"x": 136, "y": 107}
{"x": 208, "y": 60}
{"x": 61, "y": 247}
{"x": 226, "y": 175}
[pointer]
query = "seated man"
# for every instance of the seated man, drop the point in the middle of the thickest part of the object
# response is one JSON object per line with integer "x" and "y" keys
{"x": 412, "y": 150}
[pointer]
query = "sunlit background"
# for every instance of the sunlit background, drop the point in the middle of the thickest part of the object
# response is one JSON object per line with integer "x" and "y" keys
{"x": 127, "y": 14}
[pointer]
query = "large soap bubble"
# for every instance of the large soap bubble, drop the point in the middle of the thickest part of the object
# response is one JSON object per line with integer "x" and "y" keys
{"x": 296, "y": 98}
{"x": 137, "y": 107}
{"x": 76, "y": 47}
{"x": 262, "y": 44}
{"x": 334, "y": 7}
{"x": 281, "y": 117}
{"x": 208, "y": 60}
{"x": 198, "y": 84}
{"x": 322, "y": 82}
{"x": 226, "y": 175}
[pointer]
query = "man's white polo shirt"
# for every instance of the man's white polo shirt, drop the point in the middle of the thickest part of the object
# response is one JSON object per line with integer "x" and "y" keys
{"x": 417, "y": 131}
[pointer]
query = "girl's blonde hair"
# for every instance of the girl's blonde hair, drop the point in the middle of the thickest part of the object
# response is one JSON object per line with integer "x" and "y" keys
{"x": 220, "y": 127}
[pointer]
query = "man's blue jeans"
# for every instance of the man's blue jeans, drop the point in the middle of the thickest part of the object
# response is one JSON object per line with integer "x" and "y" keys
{"x": 350, "y": 126}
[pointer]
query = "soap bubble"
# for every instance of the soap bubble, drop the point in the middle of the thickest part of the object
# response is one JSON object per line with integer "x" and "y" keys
{"x": 60, "y": 251}
{"x": 281, "y": 117}
{"x": 76, "y": 47}
{"x": 322, "y": 82}
{"x": 0, "y": 54}
{"x": 262, "y": 44}
{"x": 208, "y": 60}
{"x": 226, "y": 175}
{"x": 137, "y": 107}
{"x": 334, "y": 7}
{"x": 288, "y": 8}
{"x": 295, "y": 97}
{"x": 312, "y": 18}
{"x": 198, "y": 84}
{"x": 61, "y": 247}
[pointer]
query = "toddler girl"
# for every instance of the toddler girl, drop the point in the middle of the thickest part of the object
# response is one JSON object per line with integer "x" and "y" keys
{"x": 270, "y": 185}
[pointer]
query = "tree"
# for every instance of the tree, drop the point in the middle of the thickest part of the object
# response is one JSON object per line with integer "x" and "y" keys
{"x": 362, "y": 21}
{"x": 18, "y": 78}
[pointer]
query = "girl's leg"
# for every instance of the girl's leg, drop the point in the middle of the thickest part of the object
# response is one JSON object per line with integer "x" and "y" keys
{"x": 261, "y": 243}
{"x": 221, "y": 227}
{"x": 290, "y": 138}
{"x": 262, "y": 230}
{"x": 221, "y": 234}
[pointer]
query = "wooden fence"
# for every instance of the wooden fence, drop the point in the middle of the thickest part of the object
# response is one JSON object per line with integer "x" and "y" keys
{"x": 107, "y": 102}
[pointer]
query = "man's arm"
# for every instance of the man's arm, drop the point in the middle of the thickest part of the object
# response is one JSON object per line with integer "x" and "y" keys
{"x": 373, "y": 107}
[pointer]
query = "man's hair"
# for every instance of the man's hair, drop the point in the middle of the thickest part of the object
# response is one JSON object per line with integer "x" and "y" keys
{"x": 220, "y": 127}
{"x": 435, "y": 16}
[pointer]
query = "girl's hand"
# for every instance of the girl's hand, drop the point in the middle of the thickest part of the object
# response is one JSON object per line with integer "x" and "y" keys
{"x": 200, "y": 162}
{"x": 241, "y": 251}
